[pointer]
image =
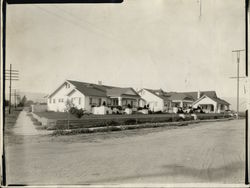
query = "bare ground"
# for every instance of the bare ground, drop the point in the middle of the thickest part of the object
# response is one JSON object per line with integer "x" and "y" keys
{"x": 198, "y": 153}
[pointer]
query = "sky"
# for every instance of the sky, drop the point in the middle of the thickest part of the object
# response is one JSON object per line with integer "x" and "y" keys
{"x": 138, "y": 43}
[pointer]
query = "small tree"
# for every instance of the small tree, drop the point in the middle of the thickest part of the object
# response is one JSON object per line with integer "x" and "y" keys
{"x": 69, "y": 104}
{"x": 23, "y": 101}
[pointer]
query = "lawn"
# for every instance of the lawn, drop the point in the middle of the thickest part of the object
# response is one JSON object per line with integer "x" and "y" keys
{"x": 10, "y": 119}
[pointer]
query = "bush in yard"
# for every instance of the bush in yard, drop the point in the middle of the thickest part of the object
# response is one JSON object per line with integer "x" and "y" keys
{"x": 139, "y": 108}
{"x": 130, "y": 122}
{"x": 112, "y": 123}
{"x": 76, "y": 112}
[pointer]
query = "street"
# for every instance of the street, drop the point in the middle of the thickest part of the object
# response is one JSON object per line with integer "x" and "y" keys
{"x": 198, "y": 153}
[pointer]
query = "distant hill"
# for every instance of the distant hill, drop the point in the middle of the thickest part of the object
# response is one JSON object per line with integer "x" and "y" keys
{"x": 35, "y": 97}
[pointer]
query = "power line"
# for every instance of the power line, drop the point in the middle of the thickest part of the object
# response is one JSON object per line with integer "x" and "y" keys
{"x": 238, "y": 78}
{"x": 12, "y": 75}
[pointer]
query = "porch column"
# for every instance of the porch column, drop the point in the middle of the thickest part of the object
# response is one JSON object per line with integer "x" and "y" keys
{"x": 119, "y": 101}
{"x": 215, "y": 108}
{"x": 181, "y": 104}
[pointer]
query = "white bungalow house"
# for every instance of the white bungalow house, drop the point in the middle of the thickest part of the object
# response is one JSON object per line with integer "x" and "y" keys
{"x": 87, "y": 95}
{"x": 156, "y": 100}
{"x": 159, "y": 100}
{"x": 211, "y": 104}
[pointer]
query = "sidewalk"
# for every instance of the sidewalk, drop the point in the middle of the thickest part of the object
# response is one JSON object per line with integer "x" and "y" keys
{"x": 24, "y": 126}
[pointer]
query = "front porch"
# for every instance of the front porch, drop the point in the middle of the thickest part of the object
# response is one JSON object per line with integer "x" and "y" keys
{"x": 181, "y": 103}
{"x": 123, "y": 101}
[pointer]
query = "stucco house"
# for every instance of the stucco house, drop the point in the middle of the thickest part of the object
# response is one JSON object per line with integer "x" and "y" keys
{"x": 211, "y": 104}
{"x": 156, "y": 100}
{"x": 87, "y": 95}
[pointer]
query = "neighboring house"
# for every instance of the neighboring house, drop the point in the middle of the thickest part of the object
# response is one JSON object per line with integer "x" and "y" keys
{"x": 156, "y": 100}
{"x": 86, "y": 95}
{"x": 180, "y": 99}
{"x": 211, "y": 104}
{"x": 159, "y": 100}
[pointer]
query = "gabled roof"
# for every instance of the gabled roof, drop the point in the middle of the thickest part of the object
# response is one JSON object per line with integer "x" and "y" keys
{"x": 88, "y": 88}
{"x": 216, "y": 99}
{"x": 159, "y": 93}
{"x": 194, "y": 94}
{"x": 91, "y": 89}
{"x": 115, "y": 91}
{"x": 190, "y": 95}
{"x": 180, "y": 96}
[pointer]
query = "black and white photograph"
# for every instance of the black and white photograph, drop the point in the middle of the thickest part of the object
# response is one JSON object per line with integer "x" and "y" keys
{"x": 142, "y": 93}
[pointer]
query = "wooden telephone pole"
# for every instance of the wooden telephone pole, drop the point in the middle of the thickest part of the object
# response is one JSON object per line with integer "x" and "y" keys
{"x": 238, "y": 78}
{"x": 11, "y": 75}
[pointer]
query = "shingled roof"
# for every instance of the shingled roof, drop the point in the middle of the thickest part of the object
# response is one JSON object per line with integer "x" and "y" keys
{"x": 190, "y": 95}
{"x": 101, "y": 90}
{"x": 159, "y": 93}
{"x": 89, "y": 89}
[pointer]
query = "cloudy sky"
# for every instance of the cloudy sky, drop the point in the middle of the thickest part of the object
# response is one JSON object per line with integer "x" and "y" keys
{"x": 139, "y": 43}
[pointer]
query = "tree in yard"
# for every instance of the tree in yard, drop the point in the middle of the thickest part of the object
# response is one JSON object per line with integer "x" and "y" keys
{"x": 23, "y": 101}
{"x": 69, "y": 104}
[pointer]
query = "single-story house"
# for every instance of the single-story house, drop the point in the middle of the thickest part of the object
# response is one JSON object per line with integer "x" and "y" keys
{"x": 87, "y": 95}
{"x": 156, "y": 100}
{"x": 186, "y": 99}
{"x": 159, "y": 100}
{"x": 211, "y": 104}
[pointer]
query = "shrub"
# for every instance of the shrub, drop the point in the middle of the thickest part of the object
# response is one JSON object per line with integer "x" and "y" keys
{"x": 130, "y": 122}
{"x": 129, "y": 106}
{"x": 112, "y": 123}
{"x": 119, "y": 107}
{"x": 158, "y": 112}
{"x": 76, "y": 112}
{"x": 139, "y": 108}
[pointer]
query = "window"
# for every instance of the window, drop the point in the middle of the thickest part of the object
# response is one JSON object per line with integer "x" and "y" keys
{"x": 90, "y": 100}
{"x": 67, "y": 85}
{"x": 100, "y": 102}
{"x": 79, "y": 100}
{"x": 60, "y": 100}
{"x": 54, "y": 100}
{"x": 50, "y": 100}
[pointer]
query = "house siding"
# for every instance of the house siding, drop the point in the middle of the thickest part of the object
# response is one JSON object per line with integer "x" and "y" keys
{"x": 53, "y": 101}
{"x": 155, "y": 103}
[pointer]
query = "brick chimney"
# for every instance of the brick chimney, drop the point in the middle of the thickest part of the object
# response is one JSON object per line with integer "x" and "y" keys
{"x": 99, "y": 82}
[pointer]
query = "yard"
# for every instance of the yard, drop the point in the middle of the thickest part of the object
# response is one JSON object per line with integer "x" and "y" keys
{"x": 62, "y": 120}
{"x": 10, "y": 119}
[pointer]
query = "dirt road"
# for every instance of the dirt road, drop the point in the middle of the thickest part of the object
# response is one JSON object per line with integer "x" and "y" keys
{"x": 202, "y": 153}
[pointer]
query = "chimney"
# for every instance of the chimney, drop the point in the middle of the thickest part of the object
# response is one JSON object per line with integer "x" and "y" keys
{"x": 99, "y": 82}
{"x": 198, "y": 94}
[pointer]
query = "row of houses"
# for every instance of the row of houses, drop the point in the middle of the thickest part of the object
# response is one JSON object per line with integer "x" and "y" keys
{"x": 85, "y": 96}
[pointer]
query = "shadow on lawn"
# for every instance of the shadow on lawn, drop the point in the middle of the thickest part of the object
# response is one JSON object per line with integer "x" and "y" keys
{"x": 208, "y": 175}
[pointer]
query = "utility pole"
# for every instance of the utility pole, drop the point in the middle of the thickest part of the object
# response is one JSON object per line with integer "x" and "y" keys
{"x": 238, "y": 78}
{"x": 15, "y": 95}
{"x": 11, "y": 75}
